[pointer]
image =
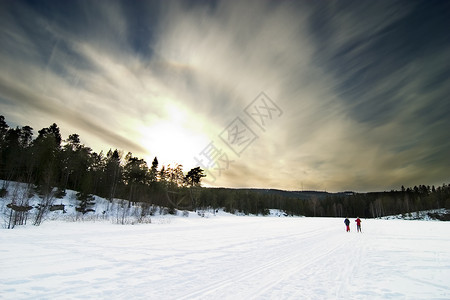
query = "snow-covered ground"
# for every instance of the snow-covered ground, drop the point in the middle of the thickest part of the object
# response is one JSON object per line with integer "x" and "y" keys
{"x": 226, "y": 257}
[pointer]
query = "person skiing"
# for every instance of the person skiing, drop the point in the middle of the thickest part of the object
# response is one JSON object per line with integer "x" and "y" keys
{"x": 347, "y": 223}
{"x": 358, "y": 224}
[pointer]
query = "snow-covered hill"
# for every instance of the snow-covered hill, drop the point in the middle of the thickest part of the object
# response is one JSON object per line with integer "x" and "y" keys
{"x": 64, "y": 208}
{"x": 427, "y": 215}
{"x": 116, "y": 211}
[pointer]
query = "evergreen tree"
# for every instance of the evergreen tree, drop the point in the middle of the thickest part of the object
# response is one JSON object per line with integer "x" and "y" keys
{"x": 135, "y": 175}
{"x": 194, "y": 176}
{"x": 113, "y": 173}
{"x": 193, "y": 179}
{"x": 46, "y": 155}
{"x": 154, "y": 171}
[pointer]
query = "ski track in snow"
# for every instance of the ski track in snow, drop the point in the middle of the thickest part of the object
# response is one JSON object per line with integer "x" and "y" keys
{"x": 227, "y": 257}
{"x": 270, "y": 271}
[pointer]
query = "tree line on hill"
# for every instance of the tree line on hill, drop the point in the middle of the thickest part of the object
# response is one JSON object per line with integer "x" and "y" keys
{"x": 407, "y": 201}
{"x": 50, "y": 165}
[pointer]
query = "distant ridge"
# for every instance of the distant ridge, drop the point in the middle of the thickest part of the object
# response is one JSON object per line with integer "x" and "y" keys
{"x": 289, "y": 194}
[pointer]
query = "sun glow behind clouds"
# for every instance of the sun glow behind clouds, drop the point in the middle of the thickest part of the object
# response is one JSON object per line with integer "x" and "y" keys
{"x": 173, "y": 139}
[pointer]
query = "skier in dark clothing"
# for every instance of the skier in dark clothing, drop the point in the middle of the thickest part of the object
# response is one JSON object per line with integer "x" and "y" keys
{"x": 347, "y": 223}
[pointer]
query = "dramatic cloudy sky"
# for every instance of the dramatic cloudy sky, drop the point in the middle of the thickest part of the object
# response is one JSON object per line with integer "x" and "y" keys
{"x": 324, "y": 95}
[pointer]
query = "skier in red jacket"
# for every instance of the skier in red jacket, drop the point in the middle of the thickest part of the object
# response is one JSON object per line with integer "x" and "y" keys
{"x": 358, "y": 224}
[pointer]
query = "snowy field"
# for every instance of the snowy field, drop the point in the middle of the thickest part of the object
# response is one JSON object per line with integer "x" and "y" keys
{"x": 227, "y": 257}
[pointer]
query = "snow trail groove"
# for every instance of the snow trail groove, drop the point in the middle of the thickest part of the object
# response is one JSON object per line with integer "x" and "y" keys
{"x": 271, "y": 271}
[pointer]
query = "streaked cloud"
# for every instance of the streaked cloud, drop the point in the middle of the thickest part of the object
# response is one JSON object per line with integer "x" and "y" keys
{"x": 363, "y": 107}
